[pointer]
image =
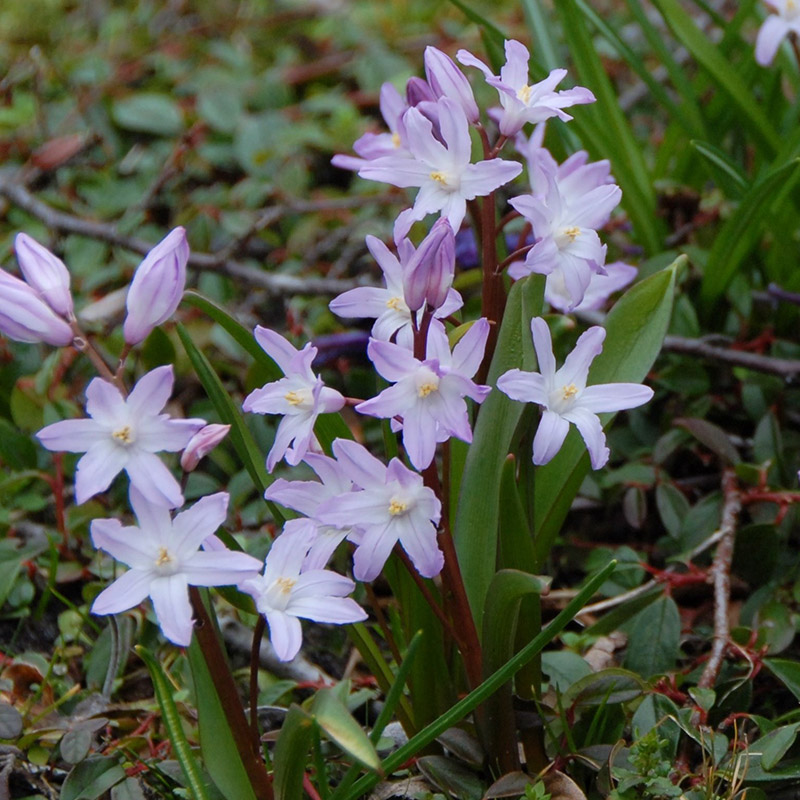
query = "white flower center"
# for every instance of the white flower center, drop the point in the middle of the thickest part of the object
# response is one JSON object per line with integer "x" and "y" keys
{"x": 524, "y": 94}
{"x": 563, "y": 398}
{"x": 566, "y": 236}
{"x": 395, "y": 303}
{"x": 124, "y": 435}
{"x": 427, "y": 382}
{"x": 445, "y": 181}
{"x": 280, "y": 592}
{"x": 398, "y": 507}
{"x": 166, "y": 563}
{"x": 302, "y": 399}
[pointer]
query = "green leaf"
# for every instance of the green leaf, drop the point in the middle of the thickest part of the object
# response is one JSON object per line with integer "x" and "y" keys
{"x": 742, "y": 231}
{"x": 635, "y": 330}
{"x": 493, "y": 37}
{"x": 332, "y": 716}
{"x": 478, "y": 513}
{"x": 92, "y": 778}
{"x": 486, "y": 689}
{"x": 787, "y": 672}
{"x": 240, "y": 436}
{"x": 452, "y": 777}
{"x": 654, "y": 639}
{"x": 16, "y": 449}
{"x": 217, "y": 743}
{"x": 712, "y": 436}
{"x": 291, "y": 752}
{"x": 723, "y": 170}
{"x": 722, "y": 72}
{"x": 172, "y": 722}
{"x": 609, "y": 133}
{"x": 776, "y": 744}
{"x": 608, "y": 686}
{"x": 148, "y": 112}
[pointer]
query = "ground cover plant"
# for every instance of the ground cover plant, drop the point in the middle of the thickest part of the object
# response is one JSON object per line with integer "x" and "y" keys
{"x": 400, "y": 401}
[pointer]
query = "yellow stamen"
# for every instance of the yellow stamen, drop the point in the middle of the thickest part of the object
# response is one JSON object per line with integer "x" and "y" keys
{"x": 286, "y": 584}
{"x": 524, "y": 94}
{"x": 397, "y": 507}
{"x": 124, "y": 435}
{"x": 426, "y": 388}
{"x": 396, "y": 140}
{"x": 164, "y": 557}
{"x": 293, "y": 398}
{"x": 569, "y": 391}
{"x": 394, "y": 303}
{"x": 573, "y": 233}
{"x": 439, "y": 177}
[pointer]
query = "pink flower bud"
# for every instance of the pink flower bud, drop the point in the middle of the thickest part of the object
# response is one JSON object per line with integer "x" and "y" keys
{"x": 429, "y": 273}
{"x": 25, "y": 317}
{"x": 201, "y": 444}
{"x": 45, "y": 273}
{"x": 447, "y": 80}
{"x": 157, "y": 286}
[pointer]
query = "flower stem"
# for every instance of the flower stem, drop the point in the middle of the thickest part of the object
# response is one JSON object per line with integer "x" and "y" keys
{"x": 247, "y": 744}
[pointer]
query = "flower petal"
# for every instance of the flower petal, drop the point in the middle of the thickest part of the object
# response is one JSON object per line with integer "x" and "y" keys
{"x": 101, "y": 464}
{"x": 151, "y": 393}
{"x": 285, "y": 633}
{"x": 592, "y": 432}
{"x": 170, "y": 596}
{"x": 127, "y": 591}
{"x": 150, "y": 476}
{"x": 549, "y": 437}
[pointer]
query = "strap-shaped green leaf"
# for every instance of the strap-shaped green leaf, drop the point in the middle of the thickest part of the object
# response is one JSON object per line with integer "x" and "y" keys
{"x": 722, "y": 72}
{"x": 291, "y": 752}
{"x": 172, "y": 722}
{"x": 477, "y": 696}
{"x": 479, "y": 499}
{"x": 743, "y": 230}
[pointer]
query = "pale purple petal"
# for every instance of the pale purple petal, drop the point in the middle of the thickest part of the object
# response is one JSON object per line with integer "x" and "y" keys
{"x": 549, "y": 437}
{"x": 288, "y": 430}
{"x": 543, "y": 345}
{"x": 157, "y": 434}
{"x": 355, "y": 508}
{"x": 375, "y": 548}
{"x": 275, "y": 346}
{"x": 285, "y": 633}
{"x": 770, "y": 36}
{"x": 391, "y": 361}
{"x": 364, "y": 301}
{"x": 105, "y": 403}
{"x": 152, "y": 478}
{"x": 576, "y": 366}
{"x": 336, "y": 610}
{"x": 392, "y": 401}
{"x": 219, "y": 568}
{"x": 151, "y": 393}
{"x": 419, "y": 436}
{"x": 468, "y": 352}
{"x": 614, "y": 397}
{"x": 124, "y": 544}
{"x": 591, "y": 430}
{"x": 286, "y": 554}
{"x": 154, "y": 520}
{"x": 71, "y": 435}
{"x": 526, "y": 387}
{"x": 192, "y": 527}
{"x": 397, "y": 170}
{"x": 45, "y": 272}
{"x": 101, "y": 464}
{"x": 359, "y": 464}
{"x": 302, "y": 496}
{"x": 170, "y": 596}
{"x": 468, "y": 60}
{"x": 484, "y": 177}
{"x": 127, "y": 591}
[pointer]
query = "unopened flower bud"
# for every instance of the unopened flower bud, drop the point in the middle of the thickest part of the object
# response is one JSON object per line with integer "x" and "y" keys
{"x": 418, "y": 91}
{"x": 44, "y": 272}
{"x": 26, "y": 317}
{"x": 429, "y": 273}
{"x": 157, "y": 286}
{"x": 201, "y": 444}
{"x": 447, "y": 80}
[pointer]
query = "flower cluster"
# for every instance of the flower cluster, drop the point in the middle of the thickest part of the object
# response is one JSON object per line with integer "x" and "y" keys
{"x": 434, "y": 364}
